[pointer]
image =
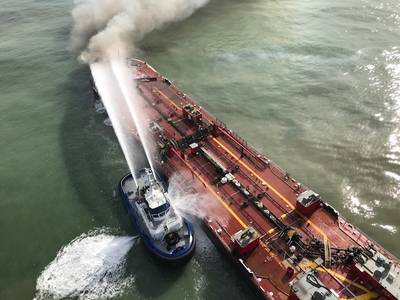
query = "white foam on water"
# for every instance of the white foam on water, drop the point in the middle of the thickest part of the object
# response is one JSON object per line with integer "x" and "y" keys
{"x": 107, "y": 122}
{"x": 92, "y": 266}
{"x": 99, "y": 107}
{"x": 200, "y": 280}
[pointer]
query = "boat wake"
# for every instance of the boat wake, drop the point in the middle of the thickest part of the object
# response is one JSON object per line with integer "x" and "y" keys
{"x": 92, "y": 266}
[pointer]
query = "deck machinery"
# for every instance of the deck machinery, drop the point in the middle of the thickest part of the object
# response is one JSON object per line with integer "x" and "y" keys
{"x": 289, "y": 242}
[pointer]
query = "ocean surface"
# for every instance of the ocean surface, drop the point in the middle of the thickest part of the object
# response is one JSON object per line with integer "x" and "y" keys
{"x": 314, "y": 85}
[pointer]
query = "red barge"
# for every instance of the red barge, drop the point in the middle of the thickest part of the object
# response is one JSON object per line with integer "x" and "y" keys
{"x": 290, "y": 243}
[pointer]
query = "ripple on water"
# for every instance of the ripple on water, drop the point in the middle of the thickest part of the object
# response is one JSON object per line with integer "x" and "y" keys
{"x": 353, "y": 203}
{"x": 92, "y": 266}
{"x": 393, "y": 144}
{"x": 395, "y": 189}
{"x": 392, "y": 229}
{"x": 392, "y": 60}
{"x": 200, "y": 281}
{"x": 384, "y": 82}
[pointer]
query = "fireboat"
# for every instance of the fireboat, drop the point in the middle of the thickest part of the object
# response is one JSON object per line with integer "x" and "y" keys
{"x": 165, "y": 233}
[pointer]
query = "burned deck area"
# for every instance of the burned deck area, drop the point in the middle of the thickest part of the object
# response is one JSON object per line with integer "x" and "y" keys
{"x": 289, "y": 241}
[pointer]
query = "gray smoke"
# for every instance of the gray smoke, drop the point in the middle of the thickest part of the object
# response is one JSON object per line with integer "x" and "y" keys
{"x": 108, "y": 28}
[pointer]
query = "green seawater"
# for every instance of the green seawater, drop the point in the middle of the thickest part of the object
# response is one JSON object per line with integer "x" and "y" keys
{"x": 314, "y": 85}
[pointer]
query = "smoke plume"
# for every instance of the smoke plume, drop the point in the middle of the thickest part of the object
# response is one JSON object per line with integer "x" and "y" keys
{"x": 104, "y": 29}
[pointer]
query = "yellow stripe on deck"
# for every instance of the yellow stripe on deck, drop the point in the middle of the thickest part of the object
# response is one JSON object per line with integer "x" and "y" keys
{"x": 313, "y": 265}
{"x": 213, "y": 192}
{"x": 167, "y": 98}
{"x": 320, "y": 231}
{"x": 366, "y": 296}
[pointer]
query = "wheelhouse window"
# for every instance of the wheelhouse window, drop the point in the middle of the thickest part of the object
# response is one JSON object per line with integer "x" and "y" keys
{"x": 160, "y": 211}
